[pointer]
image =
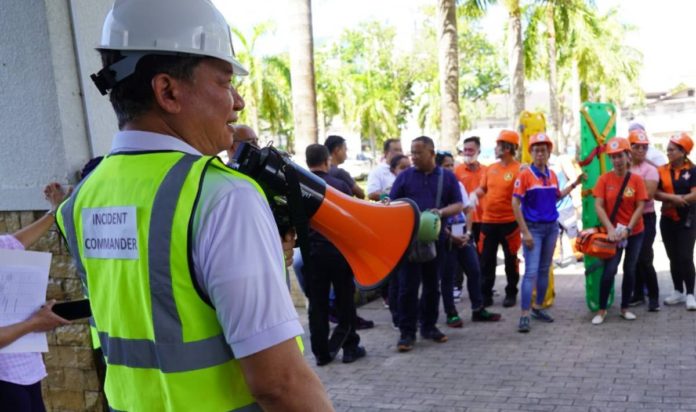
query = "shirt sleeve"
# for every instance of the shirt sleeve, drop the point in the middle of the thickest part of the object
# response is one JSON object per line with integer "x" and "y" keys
{"x": 692, "y": 178}
{"x": 374, "y": 183}
{"x": 641, "y": 190}
{"x": 651, "y": 174}
{"x": 519, "y": 188}
{"x": 239, "y": 262}
{"x": 10, "y": 242}
{"x": 346, "y": 177}
{"x": 397, "y": 190}
{"x": 484, "y": 180}
{"x": 452, "y": 193}
{"x": 598, "y": 190}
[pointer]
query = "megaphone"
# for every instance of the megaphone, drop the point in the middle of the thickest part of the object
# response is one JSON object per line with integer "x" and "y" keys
{"x": 373, "y": 237}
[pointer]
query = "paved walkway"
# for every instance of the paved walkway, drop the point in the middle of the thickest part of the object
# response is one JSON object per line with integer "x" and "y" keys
{"x": 569, "y": 365}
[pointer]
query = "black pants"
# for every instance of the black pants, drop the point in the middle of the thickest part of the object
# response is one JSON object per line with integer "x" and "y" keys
{"x": 508, "y": 236}
{"x": 329, "y": 269}
{"x": 679, "y": 245}
{"x": 645, "y": 270}
{"x": 21, "y": 398}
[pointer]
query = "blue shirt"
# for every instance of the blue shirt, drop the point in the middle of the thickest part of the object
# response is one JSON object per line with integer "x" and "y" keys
{"x": 422, "y": 188}
{"x": 538, "y": 192}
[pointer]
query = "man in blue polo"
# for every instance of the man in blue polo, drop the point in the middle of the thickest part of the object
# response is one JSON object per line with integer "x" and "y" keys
{"x": 420, "y": 184}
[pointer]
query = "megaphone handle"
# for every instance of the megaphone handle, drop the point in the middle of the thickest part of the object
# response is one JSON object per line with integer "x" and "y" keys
{"x": 298, "y": 217}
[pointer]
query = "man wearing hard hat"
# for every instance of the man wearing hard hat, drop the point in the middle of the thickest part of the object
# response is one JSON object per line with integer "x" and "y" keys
{"x": 179, "y": 254}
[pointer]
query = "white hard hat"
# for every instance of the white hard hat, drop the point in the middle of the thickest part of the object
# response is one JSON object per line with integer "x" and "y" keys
{"x": 141, "y": 27}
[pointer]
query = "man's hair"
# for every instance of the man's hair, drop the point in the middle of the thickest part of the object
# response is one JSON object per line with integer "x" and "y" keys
{"x": 333, "y": 142}
{"x": 440, "y": 157}
{"x": 474, "y": 139}
{"x": 428, "y": 142}
{"x": 387, "y": 144}
{"x": 396, "y": 160}
{"x": 316, "y": 155}
{"x": 133, "y": 96}
{"x": 509, "y": 147}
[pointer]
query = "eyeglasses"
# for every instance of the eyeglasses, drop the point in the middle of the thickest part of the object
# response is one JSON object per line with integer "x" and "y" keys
{"x": 643, "y": 147}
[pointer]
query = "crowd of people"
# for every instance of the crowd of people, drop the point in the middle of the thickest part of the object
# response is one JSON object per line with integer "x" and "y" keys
{"x": 516, "y": 206}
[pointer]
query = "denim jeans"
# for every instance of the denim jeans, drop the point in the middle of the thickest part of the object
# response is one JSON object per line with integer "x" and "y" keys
{"x": 537, "y": 261}
{"x": 645, "y": 270}
{"x": 469, "y": 260}
{"x": 611, "y": 266}
{"x": 446, "y": 271}
{"x": 411, "y": 309}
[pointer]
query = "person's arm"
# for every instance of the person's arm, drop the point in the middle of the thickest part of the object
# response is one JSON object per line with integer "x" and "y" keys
{"x": 357, "y": 191}
{"x": 280, "y": 379}
{"x": 374, "y": 187}
{"x": 604, "y": 219}
{"x": 673, "y": 199}
{"x": 452, "y": 196}
{"x": 519, "y": 217}
{"x": 451, "y": 210}
{"x": 55, "y": 194}
{"x": 566, "y": 191}
{"x": 42, "y": 320}
{"x": 637, "y": 214}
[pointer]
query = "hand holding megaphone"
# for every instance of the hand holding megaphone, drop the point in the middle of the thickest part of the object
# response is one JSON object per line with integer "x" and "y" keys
{"x": 373, "y": 237}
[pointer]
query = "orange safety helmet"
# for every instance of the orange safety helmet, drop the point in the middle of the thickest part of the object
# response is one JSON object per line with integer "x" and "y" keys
{"x": 637, "y": 136}
{"x": 509, "y": 136}
{"x": 540, "y": 138}
{"x": 684, "y": 141}
{"x": 617, "y": 145}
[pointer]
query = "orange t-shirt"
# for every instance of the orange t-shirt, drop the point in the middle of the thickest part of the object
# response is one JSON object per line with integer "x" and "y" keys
{"x": 471, "y": 179}
{"x": 607, "y": 188}
{"x": 498, "y": 182}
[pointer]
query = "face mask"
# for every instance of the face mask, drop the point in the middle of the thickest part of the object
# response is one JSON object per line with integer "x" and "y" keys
{"x": 470, "y": 159}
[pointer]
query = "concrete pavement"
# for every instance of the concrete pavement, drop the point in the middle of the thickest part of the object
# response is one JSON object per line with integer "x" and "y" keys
{"x": 568, "y": 365}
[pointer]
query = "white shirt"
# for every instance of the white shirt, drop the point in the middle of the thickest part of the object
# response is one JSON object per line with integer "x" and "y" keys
{"x": 237, "y": 254}
{"x": 380, "y": 179}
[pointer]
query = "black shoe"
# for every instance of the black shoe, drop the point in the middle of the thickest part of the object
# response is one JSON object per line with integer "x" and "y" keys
{"x": 482, "y": 315}
{"x": 509, "y": 301}
{"x": 487, "y": 301}
{"x": 654, "y": 306}
{"x": 325, "y": 359}
{"x": 524, "y": 326}
{"x": 636, "y": 301}
{"x": 435, "y": 335}
{"x": 351, "y": 355}
{"x": 405, "y": 344}
{"x": 364, "y": 324}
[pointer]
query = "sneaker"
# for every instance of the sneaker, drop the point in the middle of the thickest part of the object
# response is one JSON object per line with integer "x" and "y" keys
{"x": 435, "y": 335}
{"x": 636, "y": 301}
{"x": 599, "y": 319}
{"x": 627, "y": 315}
{"x": 690, "y": 302}
{"x": 675, "y": 298}
{"x": 454, "y": 321}
{"x": 653, "y": 306}
{"x": 482, "y": 315}
{"x": 405, "y": 343}
{"x": 364, "y": 324}
{"x": 353, "y": 354}
{"x": 509, "y": 301}
{"x": 524, "y": 326}
{"x": 542, "y": 315}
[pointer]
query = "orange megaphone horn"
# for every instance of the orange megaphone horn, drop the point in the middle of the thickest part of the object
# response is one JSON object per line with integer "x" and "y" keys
{"x": 373, "y": 237}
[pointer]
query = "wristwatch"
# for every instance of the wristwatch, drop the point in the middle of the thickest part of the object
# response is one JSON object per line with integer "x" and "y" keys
{"x": 629, "y": 230}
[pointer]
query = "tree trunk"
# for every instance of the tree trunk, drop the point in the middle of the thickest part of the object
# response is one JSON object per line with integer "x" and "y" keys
{"x": 448, "y": 61}
{"x": 554, "y": 111}
{"x": 304, "y": 99}
{"x": 516, "y": 60}
{"x": 575, "y": 104}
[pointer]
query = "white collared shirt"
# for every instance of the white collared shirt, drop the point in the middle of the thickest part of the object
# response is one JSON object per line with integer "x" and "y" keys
{"x": 380, "y": 179}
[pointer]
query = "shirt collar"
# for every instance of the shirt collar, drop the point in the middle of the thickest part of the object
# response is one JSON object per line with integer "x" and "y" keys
{"x": 538, "y": 173}
{"x": 138, "y": 140}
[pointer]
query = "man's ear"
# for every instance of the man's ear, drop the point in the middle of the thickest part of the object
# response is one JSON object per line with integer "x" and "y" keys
{"x": 167, "y": 92}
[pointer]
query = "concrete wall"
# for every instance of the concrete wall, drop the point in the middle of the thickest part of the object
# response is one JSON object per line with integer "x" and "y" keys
{"x": 45, "y": 58}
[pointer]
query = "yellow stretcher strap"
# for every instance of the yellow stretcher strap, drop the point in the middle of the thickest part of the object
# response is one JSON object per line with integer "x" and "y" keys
{"x": 599, "y": 138}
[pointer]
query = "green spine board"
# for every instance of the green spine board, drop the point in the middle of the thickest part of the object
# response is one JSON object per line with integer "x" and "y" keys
{"x": 600, "y": 113}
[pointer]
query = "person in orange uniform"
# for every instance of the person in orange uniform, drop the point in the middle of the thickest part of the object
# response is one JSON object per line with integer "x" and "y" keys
{"x": 625, "y": 228}
{"x": 499, "y": 225}
{"x": 469, "y": 174}
{"x": 677, "y": 191}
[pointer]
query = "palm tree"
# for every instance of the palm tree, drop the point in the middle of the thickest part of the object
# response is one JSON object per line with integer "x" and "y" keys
{"x": 304, "y": 99}
{"x": 448, "y": 59}
{"x": 515, "y": 57}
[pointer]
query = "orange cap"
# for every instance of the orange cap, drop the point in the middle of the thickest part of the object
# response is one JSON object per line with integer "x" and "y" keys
{"x": 637, "y": 136}
{"x": 684, "y": 141}
{"x": 617, "y": 145}
{"x": 509, "y": 136}
{"x": 540, "y": 138}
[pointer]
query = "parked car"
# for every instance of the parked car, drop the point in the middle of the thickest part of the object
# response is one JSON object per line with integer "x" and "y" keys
{"x": 359, "y": 166}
